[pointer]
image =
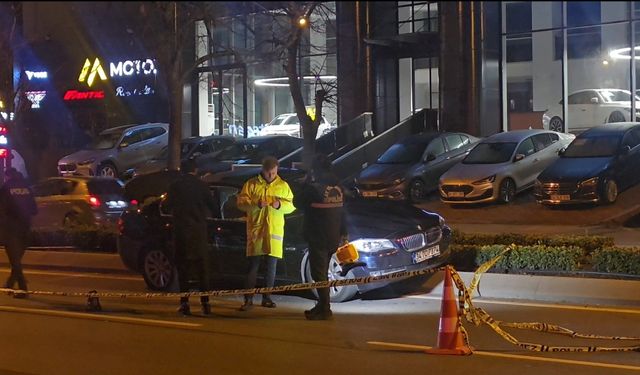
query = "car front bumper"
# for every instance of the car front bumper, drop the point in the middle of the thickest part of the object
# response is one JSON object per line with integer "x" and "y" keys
{"x": 468, "y": 193}
{"x": 394, "y": 192}
{"x": 68, "y": 170}
{"x": 556, "y": 194}
{"x": 399, "y": 260}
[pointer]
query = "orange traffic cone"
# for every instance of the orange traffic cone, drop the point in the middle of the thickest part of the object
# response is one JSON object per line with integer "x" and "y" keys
{"x": 450, "y": 340}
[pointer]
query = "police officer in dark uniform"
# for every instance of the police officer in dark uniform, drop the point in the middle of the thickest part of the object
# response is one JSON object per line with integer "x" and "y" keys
{"x": 321, "y": 199}
{"x": 17, "y": 207}
{"x": 191, "y": 202}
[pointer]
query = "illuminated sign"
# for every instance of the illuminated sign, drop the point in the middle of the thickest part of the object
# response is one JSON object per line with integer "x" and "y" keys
{"x": 123, "y": 91}
{"x": 39, "y": 75}
{"x": 89, "y": 72}
{"x": 83, "y": 95}
{"x": 132, "y": 67}
{"x": 35, "y": 97}
{"x": 7, "y": 116}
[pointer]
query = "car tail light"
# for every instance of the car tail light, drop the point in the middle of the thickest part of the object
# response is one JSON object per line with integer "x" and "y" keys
{"x": 94, "y": 201}
{"x": 120, "y": 226}
{"x": 134, "y": 202}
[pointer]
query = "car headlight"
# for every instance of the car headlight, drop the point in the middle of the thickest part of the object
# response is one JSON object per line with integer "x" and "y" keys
{"x": 88, "y": 161}
{"x": 398, "y": 181}
{"x": 590, "y": 182}
{"x": 487, "y": 180}
{"x": 368, "y": 245}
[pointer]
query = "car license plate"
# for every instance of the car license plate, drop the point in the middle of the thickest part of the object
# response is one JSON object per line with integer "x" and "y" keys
{"x": 455, "y": 194}
{"x": 563, "y": 197}
{"x": 369, "y": 193}
{"x": 422, "y": 255}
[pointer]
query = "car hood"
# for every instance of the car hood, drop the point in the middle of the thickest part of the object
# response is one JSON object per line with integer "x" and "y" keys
{"x": 385, "y": 219}
{"x": 575, "y": 169}
{"x": 473, "y": 172}
{"x": 83, "y": 155}
{"x": 383, "y": 173}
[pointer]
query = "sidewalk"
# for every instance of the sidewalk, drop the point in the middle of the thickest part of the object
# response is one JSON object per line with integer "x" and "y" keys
{"x": 74, "y": 261}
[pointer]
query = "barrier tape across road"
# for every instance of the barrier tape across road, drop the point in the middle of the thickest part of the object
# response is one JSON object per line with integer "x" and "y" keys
{"x": 466, "y": 309}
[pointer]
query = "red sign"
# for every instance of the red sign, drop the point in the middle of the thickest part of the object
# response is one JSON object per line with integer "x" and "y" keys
{"x": 4, "y": 153}
{"x": 83, "y": 95}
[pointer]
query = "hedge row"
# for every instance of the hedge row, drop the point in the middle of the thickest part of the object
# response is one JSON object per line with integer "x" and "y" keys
{"x": 624, "y": 260}
{"x": 588, "y": 243}
{"x": 521, "y": 258}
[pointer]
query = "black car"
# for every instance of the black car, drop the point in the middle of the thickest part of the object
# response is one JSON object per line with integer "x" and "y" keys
{"x": 390, "y": 237}
{"x": 248, "y": 151}
{"x": 192, "y": 147}
{"x": 594, "y": 168}
{"x": 411, "y": 168}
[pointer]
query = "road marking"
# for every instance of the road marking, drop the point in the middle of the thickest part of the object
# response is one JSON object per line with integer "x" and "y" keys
{"x": 512, "y": 356}
{"x": 77, "y": 274}
{"x": 103, "y": 318}
{"x": 543, "y": 305}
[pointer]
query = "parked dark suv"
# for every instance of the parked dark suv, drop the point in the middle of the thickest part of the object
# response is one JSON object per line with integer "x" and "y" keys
{"x": 594, "y": 168}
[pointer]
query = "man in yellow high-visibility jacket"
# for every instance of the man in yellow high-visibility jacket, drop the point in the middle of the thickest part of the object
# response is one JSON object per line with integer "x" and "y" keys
{"x": 265, "y": 198}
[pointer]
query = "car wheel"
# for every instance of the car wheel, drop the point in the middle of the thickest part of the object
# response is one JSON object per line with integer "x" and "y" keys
{"x": 158, "y": 270}
{"x": 616, "y": 117}
{"x": 556, "y": 125}
{"x": 70, "y": 220}
{"x": 610, "y": 192}
{"x": 416, "y": 191}
{"x": 338, "y": 293}
{"x": 507, "y": 190}
{"x": 107, "y": 170}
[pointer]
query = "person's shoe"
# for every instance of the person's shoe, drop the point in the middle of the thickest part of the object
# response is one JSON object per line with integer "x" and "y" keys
{"x": 318, "y": 313}
{"x": 267, "y": 302}
{"x": 20, "y": 295}
{"x": 206, "y": 308}
{"x": 184, "y": 309}
{"x": 247, "y": 305}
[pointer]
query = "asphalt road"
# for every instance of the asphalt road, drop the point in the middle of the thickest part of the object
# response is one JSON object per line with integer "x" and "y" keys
{"x": 46, "y": 335}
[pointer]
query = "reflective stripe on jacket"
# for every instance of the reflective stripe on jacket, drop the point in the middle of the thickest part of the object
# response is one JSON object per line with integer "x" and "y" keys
{"x": 265, "y": 226}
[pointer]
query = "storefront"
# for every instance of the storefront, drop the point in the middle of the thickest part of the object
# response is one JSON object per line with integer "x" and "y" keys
{"x": 569, "y": 65}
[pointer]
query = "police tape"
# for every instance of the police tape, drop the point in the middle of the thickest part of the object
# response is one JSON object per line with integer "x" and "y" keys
{"x": 479, "y": 316}
{"x": 230, "y": 292}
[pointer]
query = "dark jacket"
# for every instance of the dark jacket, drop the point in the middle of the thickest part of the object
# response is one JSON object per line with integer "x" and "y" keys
{"x": 17, "y": 205}
{"x": 322, "y": 201}
{"x": 191, "y": 202}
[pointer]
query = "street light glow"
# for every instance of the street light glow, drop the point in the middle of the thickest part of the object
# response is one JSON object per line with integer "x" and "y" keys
{"x": 302, "y": 22}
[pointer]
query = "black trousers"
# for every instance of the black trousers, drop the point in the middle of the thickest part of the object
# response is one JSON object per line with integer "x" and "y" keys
{"x": 252, "y": 275}
{"x": 193, "y": 275}
{"x": 15, "y": 245}
{"x": 319, "y": 257}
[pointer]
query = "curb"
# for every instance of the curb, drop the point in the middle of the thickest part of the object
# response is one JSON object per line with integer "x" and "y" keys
{"x": 559, "y": 289}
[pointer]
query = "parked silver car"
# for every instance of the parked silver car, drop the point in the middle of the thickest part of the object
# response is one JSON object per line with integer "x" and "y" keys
{"x": 501, "y": 166}
{"x": 116, "y": 150}
{"x": 69, "y": 201}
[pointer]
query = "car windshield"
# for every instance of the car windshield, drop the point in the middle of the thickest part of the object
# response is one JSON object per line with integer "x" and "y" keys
{"x": 616, "y": 96}
{"x": 402, "y": 154}
{"x": 593, "y": 146}
{"x": 106, "y": 141}
{"x": 490, "y": 153}
{"x": 106, "y": 186}
{"x": 239, "y": 151}
{"x": 278, "y": 120}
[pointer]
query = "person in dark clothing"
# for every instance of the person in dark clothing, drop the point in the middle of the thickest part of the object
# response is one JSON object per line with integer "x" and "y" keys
{"x": 191, "y": 202}
{"x": 321, "y": 199}
{"x": 17, "y": 207}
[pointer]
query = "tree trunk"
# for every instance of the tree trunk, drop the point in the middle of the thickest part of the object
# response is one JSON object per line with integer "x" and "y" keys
{"x": 175, "y": 125}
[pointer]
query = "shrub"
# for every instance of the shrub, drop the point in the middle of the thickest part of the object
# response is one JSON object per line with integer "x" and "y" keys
{"x": 588, "y": 243}
{"x": 617, "y": 260}
{"x": 525, "y": 258}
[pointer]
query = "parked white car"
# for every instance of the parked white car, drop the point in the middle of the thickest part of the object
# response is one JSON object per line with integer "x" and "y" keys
{"x": 502, "y": 165}
{"x": 288, "y": 124}
{"x": 589, "y": 108}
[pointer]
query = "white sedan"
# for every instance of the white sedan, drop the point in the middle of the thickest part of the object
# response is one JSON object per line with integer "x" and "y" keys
{"x": 589, "y": 108}
{"x": 288, "y": 124}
